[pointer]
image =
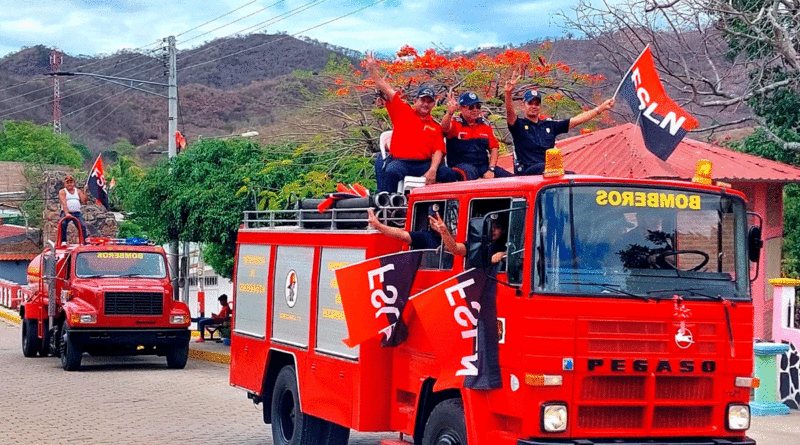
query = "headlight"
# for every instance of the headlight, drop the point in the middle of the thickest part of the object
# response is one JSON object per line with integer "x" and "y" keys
{"x": 84, "y": 318}
{"x": 554, "y": 418}
{"x": 738, "y": 417}
{"x": 179, "y": 319}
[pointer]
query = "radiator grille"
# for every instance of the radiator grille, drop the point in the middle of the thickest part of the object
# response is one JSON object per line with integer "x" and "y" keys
{"x": 613, "y": 387}
{"x": 134, "y": 303}
{"x": 666, "y": 417}
{"x": 610, "y": 417}
{"x": 684, "y": 388}
{"x": 674, "y": 402}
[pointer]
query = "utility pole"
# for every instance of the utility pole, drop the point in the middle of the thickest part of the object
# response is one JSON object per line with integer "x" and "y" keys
{"x": 172, "y": 94}
{"x": 172, "y": 97}
{"x": 55, "y": 66}
{"x": 172, "y": 82}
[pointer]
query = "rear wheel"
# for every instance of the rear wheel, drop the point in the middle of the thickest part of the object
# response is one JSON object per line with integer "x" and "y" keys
{"x": 334, "y": 434}
{"x": 446, "y": 425}
{"x": 289, "y": 425}
{"x": 30, "y": 337}
{"x": 177, "y": 356}
{"x": 70, "y": 353}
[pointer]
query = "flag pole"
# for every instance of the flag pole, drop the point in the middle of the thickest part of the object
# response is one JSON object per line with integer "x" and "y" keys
{"x": 629, "y": 70}
{"x": 90, "y": 171}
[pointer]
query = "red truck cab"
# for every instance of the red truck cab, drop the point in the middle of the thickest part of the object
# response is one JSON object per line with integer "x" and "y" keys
{"x": 107, "y": 297}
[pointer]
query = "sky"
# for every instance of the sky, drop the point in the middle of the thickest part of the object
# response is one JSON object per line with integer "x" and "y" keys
{"x": 95, "y": 27}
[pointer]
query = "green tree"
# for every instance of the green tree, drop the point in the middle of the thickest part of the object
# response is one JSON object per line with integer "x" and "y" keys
{"x": 200, "y": 195}
{"x": 38, "y": 147}
{"x": 23, "y": 141}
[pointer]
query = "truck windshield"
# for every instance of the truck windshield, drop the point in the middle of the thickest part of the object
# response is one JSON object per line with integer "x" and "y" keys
{"x": 641, "y": 242}
{"x": 120, "y": 264}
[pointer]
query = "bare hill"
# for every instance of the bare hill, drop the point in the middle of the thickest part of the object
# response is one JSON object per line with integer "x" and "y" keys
{"x": 226, "y": 86}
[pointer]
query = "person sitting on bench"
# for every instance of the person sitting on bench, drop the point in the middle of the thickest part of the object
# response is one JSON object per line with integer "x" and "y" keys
{"x": 216, "y": 320}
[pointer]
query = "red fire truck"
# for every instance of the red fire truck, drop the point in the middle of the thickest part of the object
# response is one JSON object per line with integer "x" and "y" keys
{"x": 105, "y": 297}
{"x": 623, "y": 309}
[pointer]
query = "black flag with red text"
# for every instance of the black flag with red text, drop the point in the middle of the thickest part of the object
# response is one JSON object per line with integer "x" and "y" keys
{"x": 663, "y": 122}
{"x": 97, "y": 183}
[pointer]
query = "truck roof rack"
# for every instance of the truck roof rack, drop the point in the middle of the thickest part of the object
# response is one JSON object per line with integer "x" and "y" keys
{"x": 342, "y": 214}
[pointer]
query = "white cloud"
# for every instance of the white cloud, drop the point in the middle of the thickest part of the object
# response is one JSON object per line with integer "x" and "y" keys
{"x": 105, "y": 26}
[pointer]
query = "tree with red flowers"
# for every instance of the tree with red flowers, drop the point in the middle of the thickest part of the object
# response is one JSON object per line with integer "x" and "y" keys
{"x": 355, "y": 117}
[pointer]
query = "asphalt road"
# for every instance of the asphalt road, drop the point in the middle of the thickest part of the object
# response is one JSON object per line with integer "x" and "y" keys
{"x": 138, "y": 400}
{"x": 125, "y": 400}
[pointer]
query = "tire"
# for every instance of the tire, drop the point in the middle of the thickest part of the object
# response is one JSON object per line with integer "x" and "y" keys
{"x": 289, "y": 425}
{"x": 334, "y": 434}
{"x": 30, "y": 338}
{"x": 55, "y": 346}
{"x": 70, "y": 353}
{"x": 45, "y": 349}
{"x": 177, "y": 356}
{"x": 446, "y": 424}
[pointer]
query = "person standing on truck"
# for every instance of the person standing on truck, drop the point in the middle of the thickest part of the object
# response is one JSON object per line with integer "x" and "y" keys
{"x": 216, "y": 319}
{"x": 472, "y": 148}
{"x": 71, "y": 200}
{"x": 533, "y": 136}
{"x": 417, "y": 144}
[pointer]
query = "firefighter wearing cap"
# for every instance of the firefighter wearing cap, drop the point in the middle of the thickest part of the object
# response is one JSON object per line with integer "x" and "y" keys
{"x": 417, "y": 144}
{"x": 533, "y": 136}
{"x": 471, "y": 146}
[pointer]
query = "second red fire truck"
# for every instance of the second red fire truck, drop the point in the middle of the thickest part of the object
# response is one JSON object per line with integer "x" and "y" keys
{"x": 103, "y": 297}
{"x": 623, "y": 310}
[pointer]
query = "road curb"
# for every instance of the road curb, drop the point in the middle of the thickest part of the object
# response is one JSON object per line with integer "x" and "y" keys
{"x": 10, "y": 317}
{"x": 209, "y": 356}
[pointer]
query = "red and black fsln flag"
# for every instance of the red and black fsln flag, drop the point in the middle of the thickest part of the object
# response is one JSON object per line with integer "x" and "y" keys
{"x": 663, "y": 122}
{"x": 374, "y": 293}
{"x": 459, "y": 316}
{"x": 97, "y": 183}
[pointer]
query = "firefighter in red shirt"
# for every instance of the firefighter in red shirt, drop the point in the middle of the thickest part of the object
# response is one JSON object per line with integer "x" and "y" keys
{"x": 417, "y": 144}
{"x": 215, "y": 319}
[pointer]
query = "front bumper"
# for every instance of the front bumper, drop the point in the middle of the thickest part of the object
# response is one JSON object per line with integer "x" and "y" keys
{"x": 659, "y": 441}
{"x": 129, "y": 338}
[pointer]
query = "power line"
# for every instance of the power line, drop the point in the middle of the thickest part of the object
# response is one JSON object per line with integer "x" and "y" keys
{"x": 227, "y": 24}
{"x": 286, "y": 36}
{"x": 102, "y": 118}
{"x": 269, "y": 21}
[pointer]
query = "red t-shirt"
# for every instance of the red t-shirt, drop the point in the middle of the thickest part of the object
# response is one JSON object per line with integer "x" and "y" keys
{"x": 413, "y": 137}
{"x": 223, "y": 314}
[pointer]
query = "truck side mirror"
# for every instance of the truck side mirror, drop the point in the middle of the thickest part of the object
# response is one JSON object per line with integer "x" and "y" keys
{"x": 754, "y": 243}
{"x": 478, "y": 240}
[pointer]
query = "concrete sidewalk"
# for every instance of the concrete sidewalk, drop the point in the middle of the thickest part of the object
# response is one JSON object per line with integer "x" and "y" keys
{"x": 209, "y": 350}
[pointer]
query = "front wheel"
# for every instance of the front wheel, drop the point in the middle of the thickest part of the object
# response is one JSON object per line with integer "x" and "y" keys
{"x": 70, "y": 353}
{"x": 30, "y": 337}
{"x": 289, "y": 425}
{"x": 446, "y": 425}
{"x": 177, "y": 356}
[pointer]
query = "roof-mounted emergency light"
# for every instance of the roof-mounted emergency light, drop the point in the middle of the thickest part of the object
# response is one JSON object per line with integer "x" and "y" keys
{"x": 553, "y": 163}
{"x": 702, "y": 173}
